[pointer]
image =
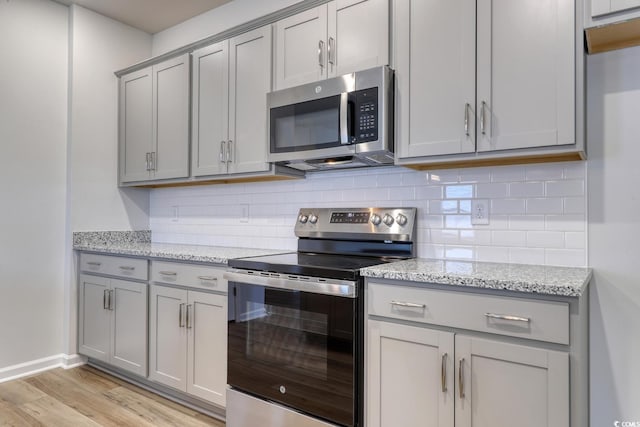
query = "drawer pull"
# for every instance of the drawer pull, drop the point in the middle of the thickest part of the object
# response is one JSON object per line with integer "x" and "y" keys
{"x": 507, "y": 317}
{"x": 408, "y": 304}
{"x": 443, "y": 373}
{"x": 94, "y": 263}
{"x": 208, "y": 278}
{"x": 168, "y": 273}
{"x": 127, "y": 268}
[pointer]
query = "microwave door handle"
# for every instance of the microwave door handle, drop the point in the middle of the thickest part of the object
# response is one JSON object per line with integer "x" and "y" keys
{"x": 344, "y": 118}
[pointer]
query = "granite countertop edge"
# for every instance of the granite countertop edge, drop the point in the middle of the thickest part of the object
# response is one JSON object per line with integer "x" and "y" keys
{"x": 530, "y": 279}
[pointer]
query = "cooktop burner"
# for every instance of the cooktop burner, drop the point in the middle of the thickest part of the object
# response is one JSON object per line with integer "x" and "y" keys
{"x": 310, "y": 264}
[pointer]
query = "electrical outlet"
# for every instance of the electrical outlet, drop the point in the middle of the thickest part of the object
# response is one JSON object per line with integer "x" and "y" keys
{"x": 175, "y": 211}
{"x": 480, "y": 212}
{"x": 244, "y": 213}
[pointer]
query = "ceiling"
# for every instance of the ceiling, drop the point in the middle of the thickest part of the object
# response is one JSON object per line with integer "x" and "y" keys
{"x": 148, "y": 15}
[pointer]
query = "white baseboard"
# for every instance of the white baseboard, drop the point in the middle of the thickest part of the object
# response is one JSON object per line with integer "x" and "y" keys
{"x": 20, "y": 370}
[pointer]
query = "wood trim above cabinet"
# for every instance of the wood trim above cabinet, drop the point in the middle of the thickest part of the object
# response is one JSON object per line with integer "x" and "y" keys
{"x": 499, "y": 161}
{"x": 613, "y": 36}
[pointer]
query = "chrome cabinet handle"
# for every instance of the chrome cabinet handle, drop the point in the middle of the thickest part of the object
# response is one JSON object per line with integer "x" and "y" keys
{"x": 153, "y": 160}
{"x": 229, "y": 152}
{"x": 181, "y": 315}
{"x": 147, "y": 161}
{"x": 189, "y": 316}
{"x": 111, "y": 298}
{"x": 320, "y": 49}
{"x": 507, "y": 317}
{"x": 461, "y": 378}
{"x": 222, "y": 151}
{"x": 331, "y": 54}
{"x": 168, "y": 273}
{"x": 94, "y": 263}
{"x": 483, "y": 106}
{"x": 443, "y": 373}
{"x": 104, "y": 299}
{"x": 408, "y": 304}
{"x": 127, "y": 268}
{"x": 466, "y": 119}
{"x": 208, "y": 278}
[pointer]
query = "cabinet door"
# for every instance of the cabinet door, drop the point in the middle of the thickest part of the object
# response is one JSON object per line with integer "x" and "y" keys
{"x": 168, "y": 337}
{"x": 207, "y": 348}
{"x": 210, "y": 109}
{"x": 506, "y": 384}
{"x": 135, "y": 136}
{"x": 357, "y": 36}
{"x": 250, "y": 81}
{"x": 171, "y": 118}
{"x": 600, "y": 7}
{"x": 94, "y": 316}
{"x": 617, "y": 5}
{"x": 526, "y": 95}
{"x": 301, "y": 48}
{"x": 410, "y": 376}
{"x": 129, "y": 326}
{"x": 435, "y": 75}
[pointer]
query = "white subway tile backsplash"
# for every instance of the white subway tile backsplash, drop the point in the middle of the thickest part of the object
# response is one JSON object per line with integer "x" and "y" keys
{"x": 536, "y": 215}
{"x": 507, "y": 206}
{"x": 565, "y": 188}
{"x": 496, "y": 190}
{"x": 544, "y": 206}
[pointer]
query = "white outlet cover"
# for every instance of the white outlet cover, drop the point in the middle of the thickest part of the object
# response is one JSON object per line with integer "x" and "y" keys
{"x": 480, "y": 212}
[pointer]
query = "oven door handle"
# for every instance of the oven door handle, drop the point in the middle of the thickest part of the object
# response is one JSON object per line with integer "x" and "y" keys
{"x": 335, "y": 287}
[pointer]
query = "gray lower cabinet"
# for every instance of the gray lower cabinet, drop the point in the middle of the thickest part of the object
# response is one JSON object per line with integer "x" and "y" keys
{"x": 188, "y": 339}
{"x": 429, "y": 366}
{"x": 113, "y": 322}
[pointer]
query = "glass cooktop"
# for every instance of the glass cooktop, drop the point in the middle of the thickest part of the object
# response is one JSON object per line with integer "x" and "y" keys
{"x": 345, "y": 267}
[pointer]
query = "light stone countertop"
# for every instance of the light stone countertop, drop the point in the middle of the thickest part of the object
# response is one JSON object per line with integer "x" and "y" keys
{"x": 564, "y": 281}
{"x": 177, "y": 252}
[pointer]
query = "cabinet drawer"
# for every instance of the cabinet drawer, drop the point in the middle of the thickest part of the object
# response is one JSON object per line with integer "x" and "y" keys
{"x": 129, "y": 268}
{"x": 195, "y": 276}
{"x": 517, "y": 317}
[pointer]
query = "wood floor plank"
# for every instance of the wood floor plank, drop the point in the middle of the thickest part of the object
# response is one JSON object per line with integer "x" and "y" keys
{"x": 154, "y": 412}
{"x": 18, "y": 392}
{"x": 11, "y": 416}
{"x": 52, "y": 412}
{"x": 85, "y": 396}
{"x": 92, "y": 405}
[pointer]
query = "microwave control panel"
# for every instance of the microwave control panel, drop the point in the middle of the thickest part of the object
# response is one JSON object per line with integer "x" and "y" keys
{"x": 366, "y": 115}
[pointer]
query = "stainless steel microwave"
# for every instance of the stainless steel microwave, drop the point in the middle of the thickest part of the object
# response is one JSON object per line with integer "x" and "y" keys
{"x": 341, "y": 122}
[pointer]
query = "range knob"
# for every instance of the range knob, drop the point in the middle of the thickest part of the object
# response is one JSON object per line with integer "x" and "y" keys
{"x": 401, "y": 220}
{"x": 388, "y": 220}
{"x": 303, "y": 218}
{"x": 313, "y": 218}
{"x": 375, "y": 219}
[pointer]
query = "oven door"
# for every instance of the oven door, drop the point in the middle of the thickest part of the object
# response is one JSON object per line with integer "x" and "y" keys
{"x": 295, "y": 348}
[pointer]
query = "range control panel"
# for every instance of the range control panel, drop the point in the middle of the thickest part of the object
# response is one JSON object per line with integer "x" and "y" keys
{"x": 357, "y": 223}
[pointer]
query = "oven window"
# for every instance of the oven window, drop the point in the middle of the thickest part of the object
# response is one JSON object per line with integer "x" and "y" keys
{"x": 306, "y": 126}
{"x": 296, "y": 348}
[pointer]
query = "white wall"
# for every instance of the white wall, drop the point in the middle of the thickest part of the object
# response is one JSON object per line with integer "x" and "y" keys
{"x": 613, "y": 81}
{"x": 101, "y": 46}
{"x": 33, "y": 151}
{"x": 215, "y": 21}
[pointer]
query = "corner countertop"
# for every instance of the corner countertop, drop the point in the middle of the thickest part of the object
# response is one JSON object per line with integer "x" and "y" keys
{"x": 127, "y": 243}
{"x": 531, "y": 279}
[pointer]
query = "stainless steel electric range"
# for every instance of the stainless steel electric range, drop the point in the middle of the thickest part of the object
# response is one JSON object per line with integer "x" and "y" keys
{"x": 296, "y": 320}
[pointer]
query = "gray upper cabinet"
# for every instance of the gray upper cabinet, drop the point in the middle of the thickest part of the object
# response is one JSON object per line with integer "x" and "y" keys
{"x": 337, "y": 38}
{"x": 154, "y": 122}
{"x": 488, "y": 80}
{"x": 231, "y": 80}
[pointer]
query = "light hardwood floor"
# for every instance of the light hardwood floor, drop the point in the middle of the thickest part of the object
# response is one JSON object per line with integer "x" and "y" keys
{"x": 85, "y": 396}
